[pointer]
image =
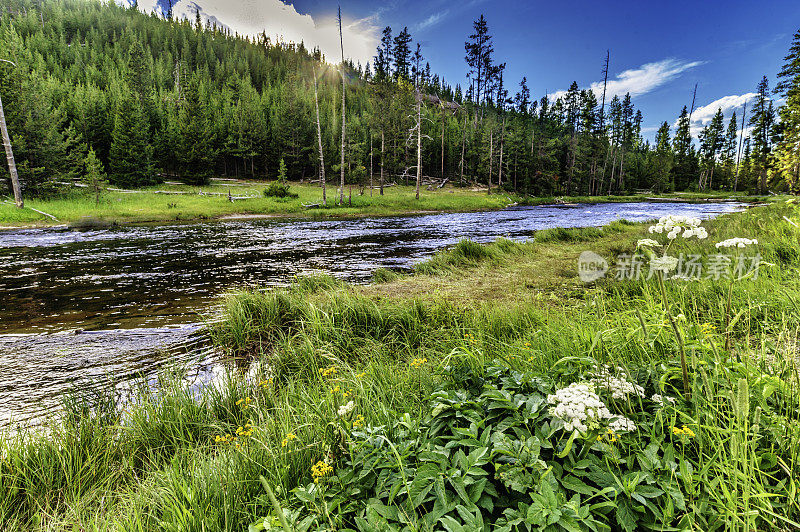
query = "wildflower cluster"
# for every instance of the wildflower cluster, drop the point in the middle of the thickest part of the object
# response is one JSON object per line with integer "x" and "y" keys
{"x": 361, "y": 375}
{"x": 266, "y": 383}
{"x": 417, "y": 363}
{"x": 663, "y": 264}
{"x": 470, "y": 338}
{"x": 358, "y": 422}
{"x": 610, "y": 435}
{"x": 661, "y": 399}
{"x": 685, "y": 431}
{"x": 244, "y": 402}
{"x": 736, "y": 243}
{"x": 245, "y": 431}
{"x": 288, "y": 439}
{"x": 675, "y": 225}
{"x": 319, "y": 470}
{"x": 228, "y": 438}
{"x": 621, "y": 424}
{"x": 647, "y": 243}
{"x": 346, "y": 409}
{"x": 581, "y": 409}
{"x": 328, "y": 372}
{"x": 620, "y": 387}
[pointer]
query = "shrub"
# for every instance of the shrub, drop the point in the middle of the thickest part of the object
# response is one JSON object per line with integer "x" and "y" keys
{"x": 276, "y": 189}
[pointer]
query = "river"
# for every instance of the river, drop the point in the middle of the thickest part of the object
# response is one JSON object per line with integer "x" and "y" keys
{"x": 81, "y": 307}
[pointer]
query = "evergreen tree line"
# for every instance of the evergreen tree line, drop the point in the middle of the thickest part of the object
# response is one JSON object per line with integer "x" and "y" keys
{"x": 99, "y": 87}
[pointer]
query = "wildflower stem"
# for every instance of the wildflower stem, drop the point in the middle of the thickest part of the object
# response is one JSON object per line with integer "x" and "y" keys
{"x": 678, "y": 337}
{"x": 275, "y": 504}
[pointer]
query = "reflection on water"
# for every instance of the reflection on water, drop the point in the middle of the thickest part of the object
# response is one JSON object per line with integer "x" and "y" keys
{"x": 134, "y": 282}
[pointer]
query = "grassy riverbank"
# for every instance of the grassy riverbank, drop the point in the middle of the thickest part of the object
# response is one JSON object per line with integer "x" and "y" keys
{"x": 449, "y": 372}
{"x": 166, "y": 203}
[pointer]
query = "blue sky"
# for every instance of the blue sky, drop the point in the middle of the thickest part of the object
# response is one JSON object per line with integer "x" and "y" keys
{"x": 659, "y": 50}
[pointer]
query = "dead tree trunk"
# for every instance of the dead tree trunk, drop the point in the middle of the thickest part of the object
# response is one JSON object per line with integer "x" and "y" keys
{"x": 370, "y": 164}
{"x": 383, "y": 157}
{"x": 12, "y": 165}
{"x": 443, "y": 123}
{"x": 341, "y": 163}
{"x": 500, "y": 170}
{"x": 319, "y": 142}
{"x": 491, "y": 159}
{"x": 463, "y": 145}
{"x": 419, "y": 141}
{"x": 739, "y": 149}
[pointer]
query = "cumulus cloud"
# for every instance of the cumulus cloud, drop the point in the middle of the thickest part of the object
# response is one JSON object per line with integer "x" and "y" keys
{"x": 728, "y": 104}
{"x": 703, "y": 115}
{"x": 282, "y": 22}
{"x": 641, "y": 80}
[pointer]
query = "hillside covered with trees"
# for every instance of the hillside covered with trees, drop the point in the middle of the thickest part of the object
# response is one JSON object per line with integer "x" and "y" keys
{"x": 147, "y": 98}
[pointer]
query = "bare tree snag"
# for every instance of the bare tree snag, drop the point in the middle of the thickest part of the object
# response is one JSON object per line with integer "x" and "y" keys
{"x": 341, "y": 44}
{"x": 319, "y": 142}
{"x": 12, "y": 165}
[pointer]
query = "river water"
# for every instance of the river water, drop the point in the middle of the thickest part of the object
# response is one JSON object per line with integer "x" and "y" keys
{"x": 80, "y": 307}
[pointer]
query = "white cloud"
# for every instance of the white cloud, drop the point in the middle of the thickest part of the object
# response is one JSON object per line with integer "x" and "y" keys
{"x": 282, "y": 22}
{"x": 638, "y": 81}
{"x": 432, "y": 20}
{"x": 728, "y": 104}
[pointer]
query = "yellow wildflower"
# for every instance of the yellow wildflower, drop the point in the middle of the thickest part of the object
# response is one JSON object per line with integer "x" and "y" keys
{"x": 418, "y": 362}
{"x": 361, "y": 375}
{"x": 329, "y": 371}
{"x": 245, "y": 401}
{"x": 358, "y": 422}
{"x": 319, "y": 470}
{"x": 335, "y": 389}
{"x": 289, "y": 437}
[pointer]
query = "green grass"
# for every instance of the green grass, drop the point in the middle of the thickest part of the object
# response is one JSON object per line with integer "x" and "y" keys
{"x": 501, "y": 318}
{"x": 148, "y": 206}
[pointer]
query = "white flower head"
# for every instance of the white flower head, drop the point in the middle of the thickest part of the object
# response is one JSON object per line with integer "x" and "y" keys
{"x": 664, "y": 264}
{"x": 622, "y": 424}
{"x": 647, "y": 243}
{"x": 619, "y": 385}
{"x": 675, "y": 225}
{"x": 346, "y": 409}
{"x": 661, "y": 399}
{"x": 737, "y": 243}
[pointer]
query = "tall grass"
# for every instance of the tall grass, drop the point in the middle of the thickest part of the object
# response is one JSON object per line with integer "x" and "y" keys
{"x": 173, "y": 458}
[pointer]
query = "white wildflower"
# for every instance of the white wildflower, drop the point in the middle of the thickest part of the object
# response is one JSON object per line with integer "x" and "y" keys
{"x": 675, "y": 225}
{"x": 647, "y": 243}
{"x": 622, "y": 424}
{"x": 737, "y": 243}
{"x": 664, "y": 264}
{"x": 346, "y": 409}
{"x": 619, "y": 386}
{"x": 660, "y": 399}
{"x": 579, "y": 407}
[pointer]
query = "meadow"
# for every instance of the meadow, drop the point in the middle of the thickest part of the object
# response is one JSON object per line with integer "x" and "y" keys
{"x": 490, "y": 389}
{"x": 176, "y": 203}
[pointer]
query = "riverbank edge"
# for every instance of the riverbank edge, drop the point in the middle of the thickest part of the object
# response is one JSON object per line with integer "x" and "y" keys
{"x": 328, "y": 214}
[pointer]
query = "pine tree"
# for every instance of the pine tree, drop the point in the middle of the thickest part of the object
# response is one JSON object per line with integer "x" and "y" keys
{"x": 131, "y": 153}
{"x": 402, "y": 54}
{"x": 384, "y": 56}
{"x": 95, "y": 176}
{"x": 663, "y": 158}
{"x": 762, "y": 120}
{"x": 196, "y": 153}
{"x": 787, "y": 150}
{"x": 479, "y": 50}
